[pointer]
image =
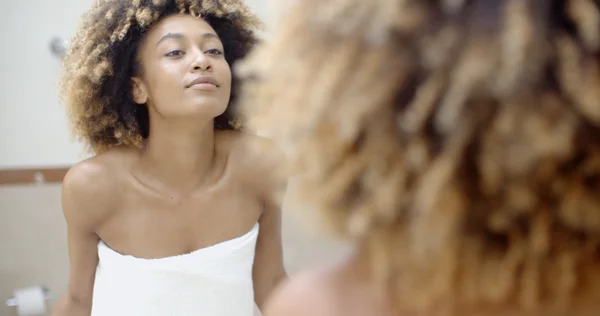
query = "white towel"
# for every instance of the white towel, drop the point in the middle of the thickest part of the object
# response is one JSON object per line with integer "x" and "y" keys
{"x": 212, "y": 281}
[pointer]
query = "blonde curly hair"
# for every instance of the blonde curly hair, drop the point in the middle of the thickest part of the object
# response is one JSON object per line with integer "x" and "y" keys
{"x": 96, "y": 85}
{"x": 457, "y": 141}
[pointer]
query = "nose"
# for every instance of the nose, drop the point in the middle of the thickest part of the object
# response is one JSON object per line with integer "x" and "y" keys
{"x": 201, "y": 63}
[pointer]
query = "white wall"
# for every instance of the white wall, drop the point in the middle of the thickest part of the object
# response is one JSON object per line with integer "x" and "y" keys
{"x": 33, "y": 127}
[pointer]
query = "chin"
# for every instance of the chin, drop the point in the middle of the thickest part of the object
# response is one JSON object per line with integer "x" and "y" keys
{"x": 207, "y": 109}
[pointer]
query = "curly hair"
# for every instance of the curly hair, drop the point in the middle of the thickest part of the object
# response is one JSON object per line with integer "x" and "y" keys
{"x": 456, "y": 141}
{"x": 96, "y": 84}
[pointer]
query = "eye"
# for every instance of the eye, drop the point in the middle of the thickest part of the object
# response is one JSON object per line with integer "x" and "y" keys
{"x": 214, "y": 51}
{"x": 175, "y": 53}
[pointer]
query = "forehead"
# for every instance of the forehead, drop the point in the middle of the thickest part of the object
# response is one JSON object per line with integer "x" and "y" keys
{"x": 184, "y": 24}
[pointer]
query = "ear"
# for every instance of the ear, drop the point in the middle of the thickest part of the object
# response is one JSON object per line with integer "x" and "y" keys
{"x": 139, "y": 91}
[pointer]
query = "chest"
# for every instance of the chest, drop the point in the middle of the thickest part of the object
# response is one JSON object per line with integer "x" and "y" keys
{"x": 155, "y": 226}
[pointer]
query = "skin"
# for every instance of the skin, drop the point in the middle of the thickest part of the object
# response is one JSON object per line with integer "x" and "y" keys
{"x": 182, "y": 190}
{"x": 339, "y": 288}
{"x": 342, "y": 289}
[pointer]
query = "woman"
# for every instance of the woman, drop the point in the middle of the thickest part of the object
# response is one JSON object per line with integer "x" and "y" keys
{"x": 455, "y": 143}
{"x": 171, "y": 216}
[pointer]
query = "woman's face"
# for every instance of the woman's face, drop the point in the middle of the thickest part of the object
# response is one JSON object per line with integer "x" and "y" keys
{"x": 183, "y": 69}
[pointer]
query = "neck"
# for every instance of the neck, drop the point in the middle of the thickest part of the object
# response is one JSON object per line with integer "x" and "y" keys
{"x": 179, "y": 155}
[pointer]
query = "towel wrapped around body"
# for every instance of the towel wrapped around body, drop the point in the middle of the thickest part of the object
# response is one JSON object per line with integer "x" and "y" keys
{"x": 212, "y": 281}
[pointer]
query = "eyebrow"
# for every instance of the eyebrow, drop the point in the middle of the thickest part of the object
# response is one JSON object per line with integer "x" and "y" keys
{"x": 179, "y": 36}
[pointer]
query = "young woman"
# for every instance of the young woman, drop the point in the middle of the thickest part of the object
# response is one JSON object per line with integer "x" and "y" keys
{"x": 456, "y": 143}
{"x": 172, "y": 216}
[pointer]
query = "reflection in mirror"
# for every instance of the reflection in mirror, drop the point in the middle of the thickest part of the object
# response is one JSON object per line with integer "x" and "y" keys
{"x": 158, "y": 205}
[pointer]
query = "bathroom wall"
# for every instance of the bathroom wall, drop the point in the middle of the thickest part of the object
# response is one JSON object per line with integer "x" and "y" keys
{"x": 33, "y": 129}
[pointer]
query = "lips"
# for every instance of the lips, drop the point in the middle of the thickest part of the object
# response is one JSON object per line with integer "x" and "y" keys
{"x": 204, "y": 80}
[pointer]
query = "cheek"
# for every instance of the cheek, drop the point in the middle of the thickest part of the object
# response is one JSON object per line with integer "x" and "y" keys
{"x": 165, "y": 80}
{"x": 226, "y": 75}
{"x": 170, "y": 73}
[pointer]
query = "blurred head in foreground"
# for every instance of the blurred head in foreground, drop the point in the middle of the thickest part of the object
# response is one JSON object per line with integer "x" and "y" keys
{"x": 457, "y": 143}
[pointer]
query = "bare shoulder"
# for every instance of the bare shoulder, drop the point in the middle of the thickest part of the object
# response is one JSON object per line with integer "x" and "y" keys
{"x": 256, "y": 159}
{"x": 252, "y": 149}
{"x": 264, "y": 157}
{"x": 92, "y": 184}
{"x": 310, "y": 292}
{"x": 97, "y": 173}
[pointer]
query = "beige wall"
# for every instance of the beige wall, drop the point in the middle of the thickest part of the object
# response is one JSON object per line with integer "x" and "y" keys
{"x": 32, "y": 240}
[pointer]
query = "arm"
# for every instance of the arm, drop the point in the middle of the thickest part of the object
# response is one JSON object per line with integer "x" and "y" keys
{"x": 82, "y": 208}
{"x": 268, "y": 270}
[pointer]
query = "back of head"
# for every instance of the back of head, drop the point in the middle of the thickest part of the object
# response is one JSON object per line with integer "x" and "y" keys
{"x": 457, "y": 141}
